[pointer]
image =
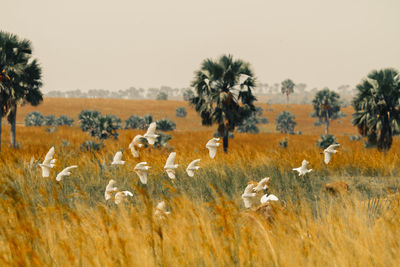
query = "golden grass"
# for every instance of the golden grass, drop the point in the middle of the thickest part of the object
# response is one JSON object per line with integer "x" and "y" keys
{"x": 45, "y": 223}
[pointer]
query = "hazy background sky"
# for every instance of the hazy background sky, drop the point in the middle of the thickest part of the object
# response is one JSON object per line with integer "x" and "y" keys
{"x": 96, "y": 44}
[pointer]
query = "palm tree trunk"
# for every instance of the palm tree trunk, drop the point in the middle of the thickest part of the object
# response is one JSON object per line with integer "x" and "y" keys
{"x": 225, "y": 141}
{"x": 12, "y": 118}
{"x": 0, "y": 130}
{"x": 287, "y": 98}
{"x": 326, "y": 125}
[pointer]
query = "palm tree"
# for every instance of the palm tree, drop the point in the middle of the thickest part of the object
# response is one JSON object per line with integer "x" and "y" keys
{"x": 377, "y": 107}
{"x": 326, "y": 107}
{"x": 287, "y": 88}
{"x": 224, "y": 94}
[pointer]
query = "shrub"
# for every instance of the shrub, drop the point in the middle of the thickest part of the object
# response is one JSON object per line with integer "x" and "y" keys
{"x": 285, "y": 122}
{"x": 148, "y": 118}
{"x": 188, "y": 94}
{"x": 326, "y": 140}
{"x": 162, "y": 96}
{"x": 49, "y": 120}
{"x": 34, "y": 118}
{"x": 166, "y": 125}
{"x": 356, "y": 137}
{"x": 135, "y": 122}
{"x": 181, "y": 112}
{"x": 91, "y": 146}
{"x": 99, "y": 126}
{"x": 263, "y": 120}
{"x": 283, "y": 143}
{"x": 64, "y": 120}
{"x": 249, "y": 126}
{"x": 162, "y": 140}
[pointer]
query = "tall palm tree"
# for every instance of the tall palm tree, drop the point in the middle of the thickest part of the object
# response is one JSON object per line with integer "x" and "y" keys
{"x": 326, "y": 107}
{"x": 377, "y": 107}
{"x": 287, "y": 88}
{"x": 224, "y": 94}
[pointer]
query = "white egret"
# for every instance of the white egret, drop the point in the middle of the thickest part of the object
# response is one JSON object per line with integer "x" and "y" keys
{"x": 150, "y": 134}
{"x": 248, "y": 195}
{"x": 118, "y": 159}
{"x": 135, "y": 142}
{"x": 303, "y": 168}
{"x": 262, "y": 185}
{"x": 65, "y": 172}
{"x": 48, "y": 162}
{"x": 212, "y": 146}
{"x": 109, "y": 189}
{"x": 141, "y": 170}
{"x": 266, "y": 198}
{"x": 170, "y": 166}
{"x": 192, "y": 167}
{"x": 329, "y": 151}
{"x": 161, "y": 209}
{"x": 120, "y": 196}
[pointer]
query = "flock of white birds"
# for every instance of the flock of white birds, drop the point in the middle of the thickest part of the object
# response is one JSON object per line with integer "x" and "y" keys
{"x": 113, "y": 193}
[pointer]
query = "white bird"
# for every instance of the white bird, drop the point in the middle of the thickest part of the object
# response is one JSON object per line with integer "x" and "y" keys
{"x": 65, "y": 172}
{"x": 303, "y": 169}
{"x": 262, "y": 185}
{"x": 48, "y": 162}
{"x": 141, "y": 170}
{"x": 135, "y": 142}
{"x": 120, "y": 196}
{"x": 212, "y": 146}
{"x": 161, "y": 209}
{"x": 150, "y": 134}
{"x": 170, "y": 166}
{"x": 118, "y": 159}
{"x": 248, "y": 195}
{"x": 266, "y": 198}
{"x": 329, "y": 151}
{"x": 109, "y": 189}
{"x": 207, "y": 82}
{"x": 192, "y": 167}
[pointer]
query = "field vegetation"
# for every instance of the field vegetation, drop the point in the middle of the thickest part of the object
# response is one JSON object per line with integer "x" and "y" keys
{"x": 66, "y": 223}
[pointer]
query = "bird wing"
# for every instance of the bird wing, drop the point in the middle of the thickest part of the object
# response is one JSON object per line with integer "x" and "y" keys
{"x": 141, "y": 164}
{"x": 137, "y": 139}
{"x": 117, "y": 156}
{"x": 333, "y": 146}
{"x": 190, "y": 172}
{"x": 127, "y": 193}
{"x": 152, "y": 128}
{"x": 142, "y": 176}
{"x": 248, "y": 188}
{"x": 134, "y": 152}
{"x": 192, "y": 164}
{"x": 212, "y": 151}
{"x": 161, "y": 205}
{"x": 65, "y": 172}
{"x": 49, "y": 156}
{"x": 246, "y": 201}
{"x": 45, "y": 171}
{"x": 171, "y": 173}
{"x": 171, "y": 159}
{"x": 327, "y": 157}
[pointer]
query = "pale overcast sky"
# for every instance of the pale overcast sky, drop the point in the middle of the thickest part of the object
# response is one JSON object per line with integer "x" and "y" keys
{"x": 113, "y": 45}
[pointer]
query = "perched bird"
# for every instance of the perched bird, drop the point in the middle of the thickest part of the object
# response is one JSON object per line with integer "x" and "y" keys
{"x": 65, "y": 172}
{"x": 161, "y": 209}
{"x": 120, "y": 196}
{"x": 109, "y": 189}
{"x": 329, "y": 151}
{"x": 303, "y": 169}
{"x": 150, "y": 134}
{"x": 118, "y": 159}
{"x": 48, "y": 162}
{"x": 141, "y": 170}
{"x": 135, "y": 142}
{"x": 248, "y": 195}
{"x": 266, "y": 198}
{"x": 212, "y": 147}
{"x": 170, "y": 166}
{"x": 192, "y": 167}
{"x": 262, "y": 185}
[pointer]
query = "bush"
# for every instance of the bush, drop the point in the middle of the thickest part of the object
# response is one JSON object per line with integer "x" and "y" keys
{"x": 91, "y": 146}
{"x": 356, "y": 137}
{"x": 148, "y": 118}
{"x": 162, "y": 96}
{"x": 283, "y": 143}
{"x": 49, "y": 120}
{"x": 259, "y": 111}
{"x": 263, "y": 120}
{"x": 162, "y": 140}
{"x": 165, "y": 125}
{"x": 64, "y": 120}
{"x": 249, "y": 126}
{"x": 317, "y": 123}
{"x": 135, "y": 122}
{"x": 181, "y": 112}
{"x": 34, "y": 118}
{"x": 188, "y": 94}
{"x": 326, "y": 140}
{"x": 99, "y": 126}
{"x": 285, "y": 122}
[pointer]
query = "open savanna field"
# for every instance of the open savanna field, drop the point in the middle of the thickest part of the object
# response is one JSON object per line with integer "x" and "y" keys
{"x": 50, "y": 223}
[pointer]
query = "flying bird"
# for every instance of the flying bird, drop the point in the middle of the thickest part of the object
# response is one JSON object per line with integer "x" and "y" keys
{"x": 329, "y": 151}
{"x": 161, "y": 209}
{"x": 262, "y": 185}
{"x": 118, "y": 159}
{"x": 135, "y": 142}
{"x": 170, "y": 166}
{"x": 120, "y": 196}
{"x": 65, "y": 172}
{"x": 192, "y": 167}
{"x": 266, "y": 198}
{"x": 303, "y": 169}
{"x": 150, "y": 134}
{"x": 48, "y": 162}
{"x": 212, "y": 146}
{"x": 109, "y": 189}
{"x": 248, "y": 195}
{"x": 141, "y": 170}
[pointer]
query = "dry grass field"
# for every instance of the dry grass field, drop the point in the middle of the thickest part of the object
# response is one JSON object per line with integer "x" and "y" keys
{"x": 69, "y": 223}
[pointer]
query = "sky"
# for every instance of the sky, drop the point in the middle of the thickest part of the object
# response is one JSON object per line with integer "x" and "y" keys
{"x": 113, "y": 45}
